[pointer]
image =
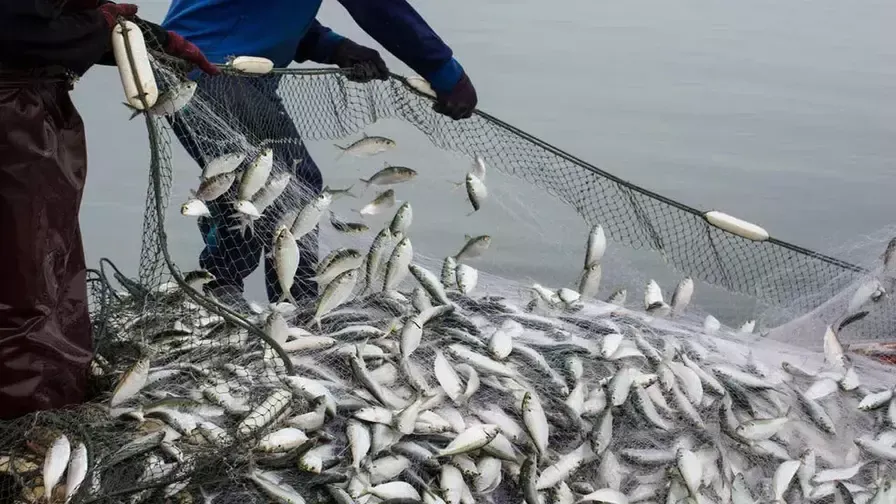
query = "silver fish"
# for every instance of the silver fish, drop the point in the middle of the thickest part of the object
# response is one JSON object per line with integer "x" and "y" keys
{"x": 367, "y": 146}
{"x": 266, "y": 196}
{"x": 430, "y": 283}
{"x": 397, "y": 267}
{"x": 589, "y": 283}
{"x": 597, "y": 246}
{"x": 76, "y": 472}
{"x": 339, "y": 193}
{"x": 347, "y": 227}
{"x": 286, "y": 261}
{"x": 256, "y": 174}
{"x": 336, "y": 293}
{"x": 375, "y": 256}
{"x": 224, "y": 163}
{"x": 390, "y": 175}
{"x": 402, "y": 220}
{"x": 194, "y": 208}
{"x": 475, "y": 247}
{"x": 213, "y": 187}
{"x": 55, "y": 462}
{"x": 681, "y": 297}
{"x": 476, "y": 192}
{"x": 171, "y": 101}
{"x": 382, "y": 202}
{"x": 310, "y": 215}
{"x": 466, "y": 278}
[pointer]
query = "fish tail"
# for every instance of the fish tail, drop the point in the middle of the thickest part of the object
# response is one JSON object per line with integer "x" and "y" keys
{"x": 457, "y": 185}
{"x": 471, "y": 213}
{"x": 366, "y": 183}
{"x": 342, "y": 150}
{"x": 349, "y": 191}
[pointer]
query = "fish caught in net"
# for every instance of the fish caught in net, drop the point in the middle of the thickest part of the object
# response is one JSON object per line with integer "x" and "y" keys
{"x": 408, "y": 378}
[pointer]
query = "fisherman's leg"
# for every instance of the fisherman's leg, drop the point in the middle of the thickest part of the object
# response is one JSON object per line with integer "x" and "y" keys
{"x": 205, "y": 131}
{"x": 271, "y": 124}
{"x": 45, "y": 337}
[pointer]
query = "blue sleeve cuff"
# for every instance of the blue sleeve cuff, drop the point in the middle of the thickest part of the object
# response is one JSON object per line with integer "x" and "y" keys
{"x": 324, "y": 48}
{"x": 444, "y": 79}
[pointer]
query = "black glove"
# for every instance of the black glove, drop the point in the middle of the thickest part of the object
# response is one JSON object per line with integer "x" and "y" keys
{"x": 366, "y": 63}
{"x": 458, "y": 103}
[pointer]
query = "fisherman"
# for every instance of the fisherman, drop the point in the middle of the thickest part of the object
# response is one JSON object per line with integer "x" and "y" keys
{"x": 284, "y": 31}
{"x": 45, "y": 333}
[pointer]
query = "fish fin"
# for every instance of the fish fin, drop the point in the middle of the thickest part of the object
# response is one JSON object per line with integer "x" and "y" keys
{"x": 467, "y": 237}
{"x": 342, "y": 151}
{"x": 457, "y": 185}
{"x": 366, "y": 183}
{"x": 364, "y": 134}
{"x": 348, "y": 191}
{"x": 471, "y": 213}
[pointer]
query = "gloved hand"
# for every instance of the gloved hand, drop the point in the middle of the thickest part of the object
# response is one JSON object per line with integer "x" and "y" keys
{"x": 111, "y": 11}
{"x": 459, "y": 102}
{"x": 366, "y": 63}
{"x": 175, "y": 45}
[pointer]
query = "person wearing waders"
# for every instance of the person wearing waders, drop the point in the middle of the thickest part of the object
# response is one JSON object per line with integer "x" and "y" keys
{"x": 45, "y": 334}
{"x": 284, "y": 31}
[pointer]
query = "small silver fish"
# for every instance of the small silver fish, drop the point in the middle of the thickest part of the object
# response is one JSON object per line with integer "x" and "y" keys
{"x": 375, "y": 256}
{"x": 367, "y": 146}
{"x": 213, "y": 187}
{"x": 256, "y": 174}
{"x": 194, "y": 208}
{"x": 383, "y": 201}
{"x": 475, "y": 247}
{"x": 402, "y": 220}
{"x": 681, "y": 297}
{"x": 225, "y": 163}
{"x": 310, "y": 215}
{"x": 589, "y": 283}
{"x": 597, "y": 245}
{"x": 476, "y": 192}
{"x": 347, "y": 227}
{"x": 55, "y": 463}
{"x": 337, "y": 292}
{"x": 286, "y": 261}
{"x": 390, "y": 175}
{"x": 397, "y": 268}
{"x": 466, "y": 278}
{"x": 266, "y": 196}
{"x": 339, "y": 193}
{"x": 171, "y": 101}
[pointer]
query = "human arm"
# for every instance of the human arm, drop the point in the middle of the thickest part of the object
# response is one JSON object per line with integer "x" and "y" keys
{"x": 404, "y": 33}
{"x": 39, "y": 33}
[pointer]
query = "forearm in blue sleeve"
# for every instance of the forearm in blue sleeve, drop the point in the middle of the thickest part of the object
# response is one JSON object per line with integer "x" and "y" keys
{"x": 404, "y": 33}
{"x": 318, "y": 44}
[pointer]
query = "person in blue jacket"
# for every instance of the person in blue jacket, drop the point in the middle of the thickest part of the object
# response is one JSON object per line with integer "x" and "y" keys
{"x": 285, "y": 31}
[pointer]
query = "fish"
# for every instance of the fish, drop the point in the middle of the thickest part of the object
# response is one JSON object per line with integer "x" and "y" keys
{"x": 76, "y": 472}
{"x": 888, "y": 257}
{"x": 339, "y": 193}
{"x": 476, "y": 192}
{"x": 347, "y": 227}
{"x": 430, "y": 284}
{"x": 479, "y": 167}
{"x": 465, "y": 277}
{"x": 266, "y": 196}
{"x": 589, "y": 283}
{"x": 256, "y": 175}
{"x": 382, "y": 202}
{"x": 375, "y": 255}
{"x": 225, "y": 163}
{"x": 597, "y": 246}
{"x": 401, "y": 222}
{"x": 367, "y": 146}
{"x": 194, "y": 208}
{"x": 55, "y": 462}
{"x": 170, "y": 102}
{"x": 399, "y": 261}
{"x": 681, "y": 297}
{"x": 390, "y": 175}
{"x": 337, "y": 262}
{"x": 286, "y": 261}
{"x": 131, "y": 382}
{"x": 653, "y": 300}
{"x": 280, "y": 493}
{"x": 337, "y": 292}
{"x": 212, "y": 188}
{"x": 310, "y": 215}
{"x": 474, "y": 247}
{"x": 535, "y": 421}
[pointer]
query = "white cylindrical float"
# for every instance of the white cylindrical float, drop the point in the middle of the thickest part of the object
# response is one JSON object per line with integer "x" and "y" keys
{"x": 252, "y": 64}
{"x": 736, "y": 226}
{"x": 142, "y": 71}
{"x": 421, "y": 85}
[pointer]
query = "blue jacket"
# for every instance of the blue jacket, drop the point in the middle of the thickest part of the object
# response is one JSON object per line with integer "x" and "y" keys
{"x": 286, "y": 30}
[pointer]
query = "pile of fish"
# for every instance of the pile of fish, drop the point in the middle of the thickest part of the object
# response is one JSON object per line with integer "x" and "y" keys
{"x": 435, "y": 395}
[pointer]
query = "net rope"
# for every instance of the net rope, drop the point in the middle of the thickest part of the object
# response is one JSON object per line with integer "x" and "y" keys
{"x": 460, "y": 390}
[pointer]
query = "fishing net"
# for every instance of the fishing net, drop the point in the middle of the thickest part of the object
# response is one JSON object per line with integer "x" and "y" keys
{"x": 453, "y": 385}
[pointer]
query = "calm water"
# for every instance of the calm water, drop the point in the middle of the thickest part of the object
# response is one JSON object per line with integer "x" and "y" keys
{"x": 782, "y": 114}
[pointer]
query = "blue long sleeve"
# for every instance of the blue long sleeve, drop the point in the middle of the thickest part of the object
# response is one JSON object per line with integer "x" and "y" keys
{"x": 317, "y": 44}
{"x": 404, "y": 33}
